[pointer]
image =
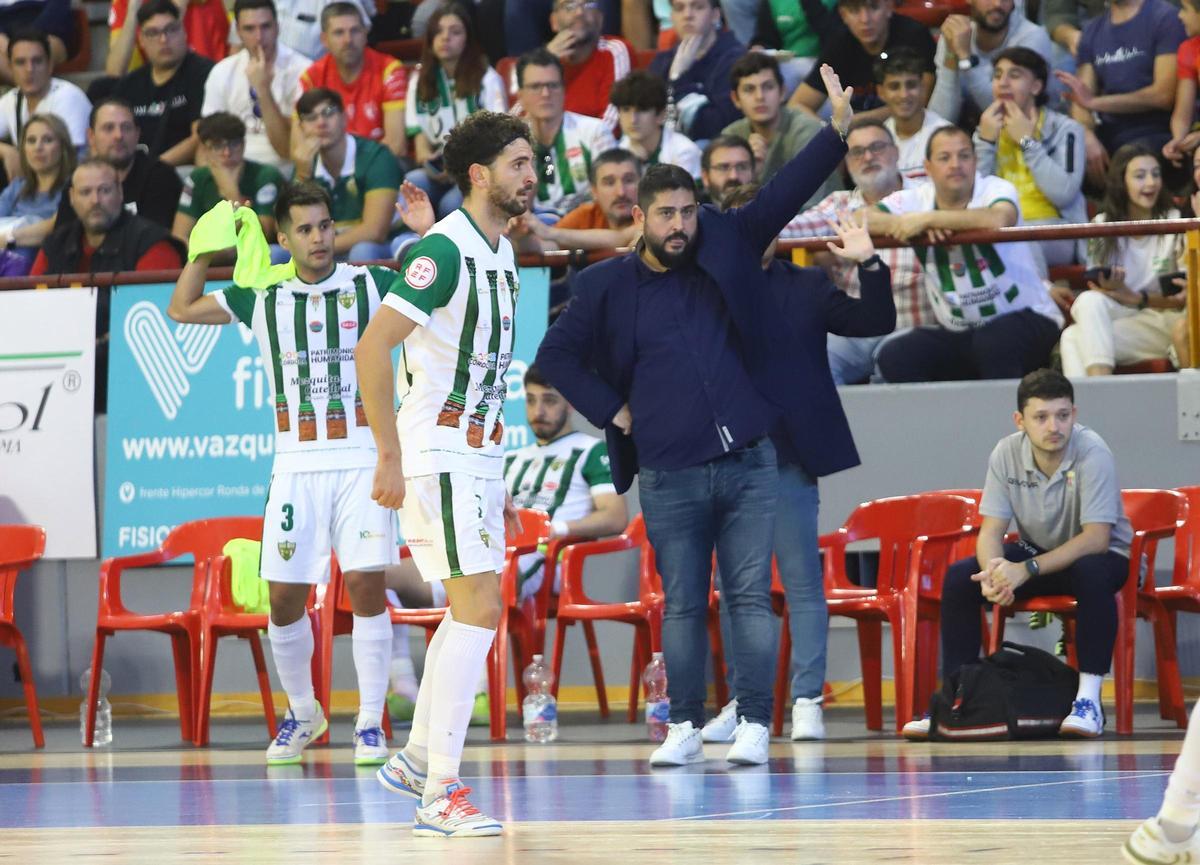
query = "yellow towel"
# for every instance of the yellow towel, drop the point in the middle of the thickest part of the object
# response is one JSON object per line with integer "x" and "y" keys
{"x": 218, "y": 230}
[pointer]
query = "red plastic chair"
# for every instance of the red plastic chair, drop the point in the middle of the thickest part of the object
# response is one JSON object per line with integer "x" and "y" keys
{"x": 506, "y": 68}
{"x": 201, "y": 539}
{"x": 1162, "y": 604}
{"x": 1154, "y": 515}
{"x": 916, "y": 535}
{"x": 223, "y": 617}
{"x": 645, "y": 613}
{"x": 20, "y": 547}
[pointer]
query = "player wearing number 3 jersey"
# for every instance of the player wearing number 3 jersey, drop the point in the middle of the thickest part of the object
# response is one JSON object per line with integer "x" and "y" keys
{"x": 441, "y": 458}
{"x": 307, "y": 328}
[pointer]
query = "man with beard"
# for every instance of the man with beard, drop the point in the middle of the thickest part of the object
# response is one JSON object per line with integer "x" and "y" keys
{"x": 677, "y": 351}
{"x": 592, "y": 63}
{"x": 966, "y": 51}
{"x": 441, "y": 456}
{"x": 726, "y": 163}
{"x": 873, "y": 161}
{"x": 149, "y": 187}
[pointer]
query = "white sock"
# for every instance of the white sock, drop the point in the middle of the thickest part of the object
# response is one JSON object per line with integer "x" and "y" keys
{"x": 372, "y": 643}
{"x": 1180, "y": 810}
{"x": 1089, "y": 687}
{"x": 292, "y": 648}
{"x": 417, "y": 748}
{"x": 462, "y": 656}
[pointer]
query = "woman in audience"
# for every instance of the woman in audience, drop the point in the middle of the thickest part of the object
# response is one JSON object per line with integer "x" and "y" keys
{"x": 454, "y": 80}
{"x": 1125, "y": 316}
{"x": 29, "y": 203}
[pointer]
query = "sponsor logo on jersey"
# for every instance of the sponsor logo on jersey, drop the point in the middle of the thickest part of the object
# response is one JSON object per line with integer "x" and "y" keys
{"x": 349, "y": 325}
{"x": 316, "y": 326}
{"x": 367, "y": 535}
{"x": 506, "y": 323}
{"x": 286, "y": 550}
{"x": 421, "y": 272}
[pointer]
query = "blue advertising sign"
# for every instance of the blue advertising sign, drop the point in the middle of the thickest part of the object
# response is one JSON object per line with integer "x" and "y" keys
{"x": 190, "y": 426}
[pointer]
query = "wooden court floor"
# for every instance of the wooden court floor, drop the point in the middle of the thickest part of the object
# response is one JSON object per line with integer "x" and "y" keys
{"x": 589, "y": 798}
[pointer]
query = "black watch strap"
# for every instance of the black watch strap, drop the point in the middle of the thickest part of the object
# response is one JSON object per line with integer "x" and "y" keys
{"x": 1033, "y": 567}
{"x": 871, "y": 263}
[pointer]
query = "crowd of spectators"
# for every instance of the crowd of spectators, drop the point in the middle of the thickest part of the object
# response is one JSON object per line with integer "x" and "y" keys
{"x": 1010, "y": 113}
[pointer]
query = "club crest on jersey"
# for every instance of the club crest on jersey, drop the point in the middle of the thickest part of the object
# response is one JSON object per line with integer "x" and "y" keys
{"x": 346, "y": 299}
{"x": 421, "y": 272}
{"x": 485, "y": 537}
{"x": 286, "y": 550}
{"x": 315, "y": 300}
{"x": 958, "y": 268}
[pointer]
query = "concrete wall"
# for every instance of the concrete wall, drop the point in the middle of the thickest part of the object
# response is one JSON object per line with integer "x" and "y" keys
{"x": 911, "y": 438}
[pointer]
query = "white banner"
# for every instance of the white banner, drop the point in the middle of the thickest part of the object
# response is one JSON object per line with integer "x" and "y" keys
{"x": 47, "y": 383}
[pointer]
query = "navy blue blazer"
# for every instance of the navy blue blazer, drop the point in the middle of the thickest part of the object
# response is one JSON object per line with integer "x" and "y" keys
{"x": 590, "y": 353}
{"x": 812, "y": 306}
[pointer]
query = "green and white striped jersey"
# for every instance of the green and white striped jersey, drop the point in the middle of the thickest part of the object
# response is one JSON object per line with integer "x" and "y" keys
{"x": 971, "y": 284}
{"x": 564, "y": 166}
{"x": 437, "y": 118}
{"x": 307, "y": 334}
{"x": 560, "y": 477}
{"x": 462, "y": 294}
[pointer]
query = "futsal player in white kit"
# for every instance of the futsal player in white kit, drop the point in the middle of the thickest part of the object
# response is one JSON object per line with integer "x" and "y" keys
{"x": 1169, "y": 837}
{"x": 441, "y": 456}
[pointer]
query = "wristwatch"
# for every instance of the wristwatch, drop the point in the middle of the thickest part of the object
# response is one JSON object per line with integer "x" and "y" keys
{"x": 967, "y": 63}
{"x": 1026, "y": 142}
{"x": 1032, "y": 567}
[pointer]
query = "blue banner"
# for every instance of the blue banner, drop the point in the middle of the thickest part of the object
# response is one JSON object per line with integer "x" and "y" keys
{"x": 190, "y": 428}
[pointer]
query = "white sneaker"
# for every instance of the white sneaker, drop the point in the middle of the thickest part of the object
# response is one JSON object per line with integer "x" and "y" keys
{"x": 751, "y": 744}
{"x": 1148, "y": 845}
{"x": 683, "y": 745}
{"x": 400, "y": 776}
{"x": 808, "y": 721}
{"x": 293, "y": 736}
{"x": 916, "y": 731}
{"x": 451, "y": 815}
{"x": 1086, "y": 721}
{"x": 370, "y": 747}
{"x": 722, "y": 727}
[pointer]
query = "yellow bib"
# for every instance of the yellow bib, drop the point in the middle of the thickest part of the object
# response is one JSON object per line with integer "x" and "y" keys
{"x": 1010, "y": 164}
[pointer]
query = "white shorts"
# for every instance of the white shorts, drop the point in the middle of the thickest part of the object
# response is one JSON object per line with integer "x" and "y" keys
{"x": 309, "y": 512}
{"x": 454, "y": 524}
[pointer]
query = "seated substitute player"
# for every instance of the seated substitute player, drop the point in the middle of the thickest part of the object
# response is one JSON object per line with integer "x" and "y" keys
{"x": 441, "y": 457}
{"x": 320, "y": 493}
{"x": 1057, "y": 481}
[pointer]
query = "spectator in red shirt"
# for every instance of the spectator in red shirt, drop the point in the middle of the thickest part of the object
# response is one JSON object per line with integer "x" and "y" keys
{"x": 591, "y": 63}
{"x": 372, "y": 84}
{"x": 105, "y": 237}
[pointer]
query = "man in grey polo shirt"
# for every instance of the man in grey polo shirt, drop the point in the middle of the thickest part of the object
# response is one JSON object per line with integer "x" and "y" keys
{"x": 1058, "y": 482}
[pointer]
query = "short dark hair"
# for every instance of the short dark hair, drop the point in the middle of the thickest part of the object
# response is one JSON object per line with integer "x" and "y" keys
{"x": 337, "y": 10}
{"x": 104, "y": 103}
{"x": 752, "y": 63}
{"x": 157, "y": 7}
{"x": 479, "y": 139}
{"x": 851, "y": 5}
{"x": 537, "y": 57}
{"x": 722, "y": 141}
{"x": 221, "y": 126}
{"x": 613, "y": 156}
{"x": 1029, "y": 59}
{"x": 1044, "y": 384}
{"x": 300, "y": 194}
{"x": 869, "y": 123}
{"x": 641, "y": 90}
{"x": 533, "y": 375}
{"x": 246, "y": 5}
{"x": 740, "y": 195}
{"x": 902, "y": 61}
{"x": 308, "y": 103}
{"x": 28, "y": 34}
{"x": 948, "y": 129}
{"x": 663, "y": 178}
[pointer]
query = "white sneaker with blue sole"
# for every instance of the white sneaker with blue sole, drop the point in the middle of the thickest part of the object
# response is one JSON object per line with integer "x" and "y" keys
{"x": 398, "y": 775}
{"x": 451, "y": 815}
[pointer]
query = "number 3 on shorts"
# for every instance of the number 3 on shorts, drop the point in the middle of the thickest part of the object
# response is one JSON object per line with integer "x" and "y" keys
{"x": 288, "y": 521}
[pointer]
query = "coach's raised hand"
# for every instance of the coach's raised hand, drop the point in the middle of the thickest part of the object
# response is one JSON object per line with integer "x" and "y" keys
{"x": 839, "y": 99}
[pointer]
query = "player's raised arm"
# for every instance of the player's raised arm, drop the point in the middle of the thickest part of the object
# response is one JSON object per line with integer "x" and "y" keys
{"x": 189, "y": 305}
{"x": 376, "y": 382}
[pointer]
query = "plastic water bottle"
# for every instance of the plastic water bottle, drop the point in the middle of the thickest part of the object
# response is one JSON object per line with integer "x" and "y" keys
{"x": 658, "y": 704}
{"x": 540, "y": 710}
{"x": 103, "y": 732}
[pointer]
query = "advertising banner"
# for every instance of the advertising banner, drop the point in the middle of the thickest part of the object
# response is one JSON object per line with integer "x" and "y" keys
{"x": 190, "y": 426}
{"x": 47, "y": 384}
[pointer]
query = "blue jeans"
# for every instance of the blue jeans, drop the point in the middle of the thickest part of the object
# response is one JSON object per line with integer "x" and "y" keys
{"x": 803, "y": 586}
{"x": 445, "y": 197}
{"x": 729, "y": 503}
{"x": 852, "y": 359}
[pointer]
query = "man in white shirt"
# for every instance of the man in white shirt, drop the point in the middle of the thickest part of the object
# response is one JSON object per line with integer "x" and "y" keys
{"x": 898, "y": 79}
{"x": 37, "y": 93}
{"x": 259, "y": 84}
{"x": 996, "y": 318}
{"x": 300, "y": 23}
